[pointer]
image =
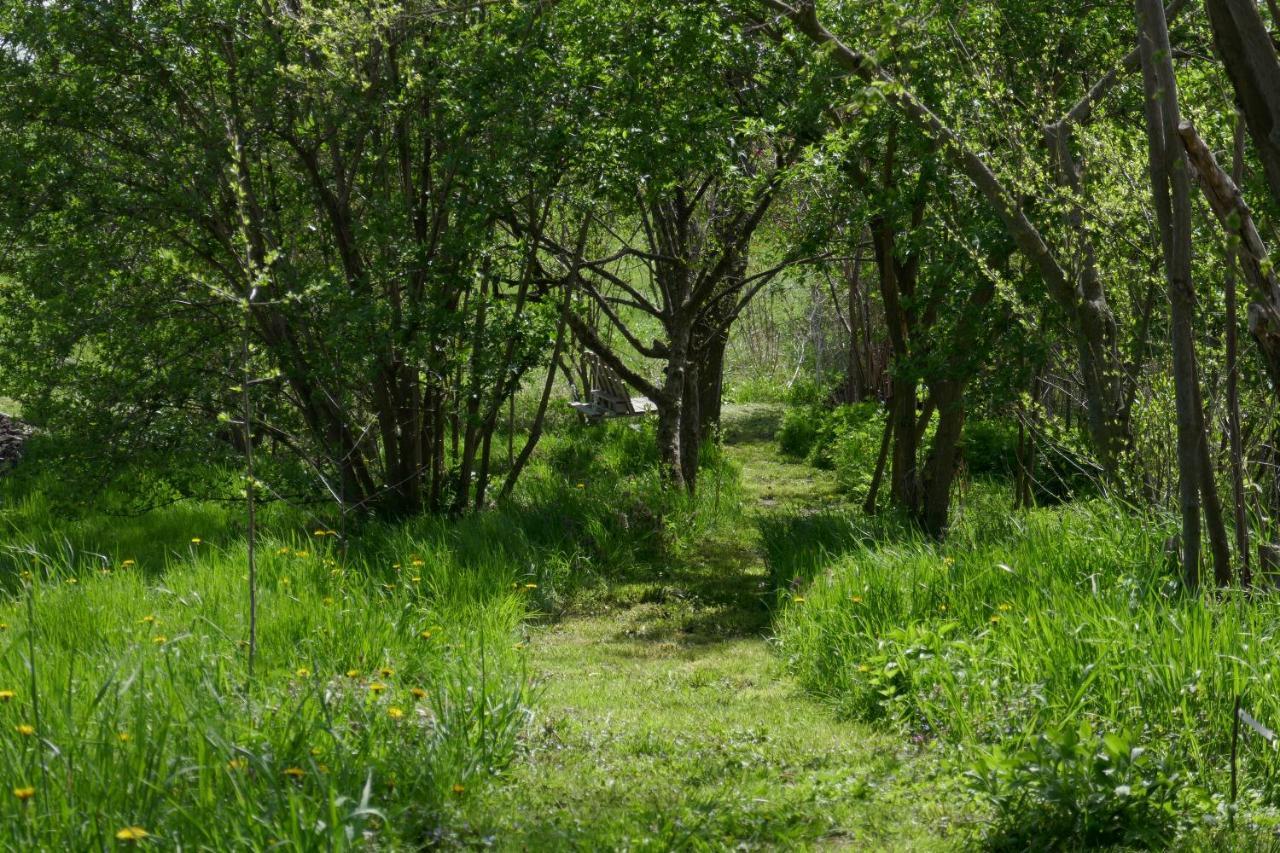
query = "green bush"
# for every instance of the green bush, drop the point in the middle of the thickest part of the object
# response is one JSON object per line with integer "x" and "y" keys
{"x": 990, "y": 448}
{"x": 1071, "y": 789}
{"x": 799, "y": 431}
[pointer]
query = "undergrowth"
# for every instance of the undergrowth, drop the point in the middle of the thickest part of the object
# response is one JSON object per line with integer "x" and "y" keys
{"x": 1023, "y": 626}
{"x": 389, "y": 683}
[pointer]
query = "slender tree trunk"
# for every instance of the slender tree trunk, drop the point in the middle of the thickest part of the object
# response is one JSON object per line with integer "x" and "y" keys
{"x": 691, "y": 419}
{"x": 1170, "y": 176}
{"x": 886, "y": 438}
{"x": 535, "y": 430}
{"x": 1233, "y": 382}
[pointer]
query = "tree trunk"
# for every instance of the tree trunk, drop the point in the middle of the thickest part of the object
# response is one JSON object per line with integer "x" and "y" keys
{"x": 943, "y": 458}
{"x": 1250, "y": 59}
{"x": 1172, "y": 192}
{"x": 869, "y": 506}
{"x": 904, "y": 475}
{"x": 691, "y": 420}
{"x": 1240, "y": 516}
{"x": 669, "y": 442}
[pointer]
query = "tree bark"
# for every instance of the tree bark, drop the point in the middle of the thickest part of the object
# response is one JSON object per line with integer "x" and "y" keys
{"x": 1249, "y": 57}
{"x": 1172, "y": 193}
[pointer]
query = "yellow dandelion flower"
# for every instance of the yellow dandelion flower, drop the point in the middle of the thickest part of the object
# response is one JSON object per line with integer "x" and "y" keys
{"x": 942, "y": 607}
{"x": 236, "y": 764}
{"x": 322, "y": 768}
{"x": 315, "y": 750}
{"x": 377, "y": 687}
{"x": 417, "y": 692}
{"x": 395, "y": 566}
{"x": 994, "y": 619}
{"x": 417, "y": 562}
{"x": 295, "y": 772}
{"x": 73, "y": 580}
{"x": 7, "y": 695}
{"x": 531, "y": 586}
{"x": 127, "y": 563}
{"x": 458, "y": 789}
{"x": 4, "y": 626}
{"x": 582, "y": 485}
{"x": 856, "y": 599}
{"x": 1005, "y": 608}
{"x": 799, "y": 599}
{"x": 196, "y": 540}
{"x": 426, "y": 635}
{"x": 416, "y": 578}
{"x": 302, "y": 672}
{"x": 395, "y": 713}
{"x": 327, "y": 601}
{"x": 302, "y": 553}
{"x": 148, "y": 620}
{"x": 159, "y": 639}
{"x": 388, "y": 586}
{"x": 131, "y": 834}
{"x": 862, "y": 667}
{"x": 123, "y": 737}
{"x": 386, "y": 672}
{"x": 352, "y": 673}
{"x": 24, "y": 793}
{"x": 25, "y": 730}
{"x": 319, "y": 533}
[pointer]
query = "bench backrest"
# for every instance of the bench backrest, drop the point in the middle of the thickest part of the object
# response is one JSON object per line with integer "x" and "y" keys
{"x": 607, "y": 387}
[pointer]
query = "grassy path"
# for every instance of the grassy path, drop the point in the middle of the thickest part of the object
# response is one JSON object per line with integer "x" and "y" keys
{"x": 665, "y": 721}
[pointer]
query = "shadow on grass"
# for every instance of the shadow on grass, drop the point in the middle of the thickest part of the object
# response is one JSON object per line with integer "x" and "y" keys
{"x": 750, "y": 423}
{"x": 797, "y": 545}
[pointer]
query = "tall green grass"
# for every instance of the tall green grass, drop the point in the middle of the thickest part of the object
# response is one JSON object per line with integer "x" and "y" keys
{"x": 377, "y": 691}
{"x": 1029, "y": 625}
{"x": 389, "y": 684}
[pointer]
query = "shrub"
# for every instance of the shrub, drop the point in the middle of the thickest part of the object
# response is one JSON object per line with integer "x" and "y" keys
{"x": 990, "y": 448}
{"x": 1072, "y": 789}
{"x": 799, "y": 431}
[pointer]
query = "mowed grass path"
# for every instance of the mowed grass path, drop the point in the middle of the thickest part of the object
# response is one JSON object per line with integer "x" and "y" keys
{"x": 665, "y": 721}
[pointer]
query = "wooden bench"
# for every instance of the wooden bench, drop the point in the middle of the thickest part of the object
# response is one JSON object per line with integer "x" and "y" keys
{"x": 609, "y": 396}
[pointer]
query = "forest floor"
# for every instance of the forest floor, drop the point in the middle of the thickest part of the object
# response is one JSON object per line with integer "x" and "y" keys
{"x": 665, "y": 721}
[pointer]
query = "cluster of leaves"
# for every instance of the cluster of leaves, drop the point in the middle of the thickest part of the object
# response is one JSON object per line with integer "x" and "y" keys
{"x": 1072, "y": 788}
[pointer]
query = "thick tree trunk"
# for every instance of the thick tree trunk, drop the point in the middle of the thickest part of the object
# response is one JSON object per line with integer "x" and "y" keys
{"x": 669, "y": 442}
{"x": 904, "y": 474}
{"x": 710, "y": 384}
{"x": 943, "y": 458}
{"x": 1250, "y": 59}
